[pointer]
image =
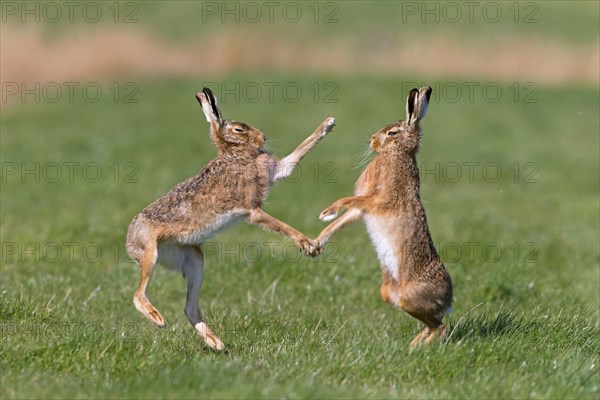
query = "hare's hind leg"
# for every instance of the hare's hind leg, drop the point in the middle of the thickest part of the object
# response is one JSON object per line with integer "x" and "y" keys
{"x": 438, "y": 333}
{"x": 414, "y": 299}
{"x": 421, "y": 337}
{"x": 391, "y": 293}
{"x": 190, "y": 262}
{"x": 429, "y": 334}
{"x": 141, "y": 302}
{"x": 193, "y": 271}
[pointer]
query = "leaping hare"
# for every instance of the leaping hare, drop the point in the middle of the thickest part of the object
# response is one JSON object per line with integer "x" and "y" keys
{"x": 230, "y": 188}
{"x": 387, "y": 198}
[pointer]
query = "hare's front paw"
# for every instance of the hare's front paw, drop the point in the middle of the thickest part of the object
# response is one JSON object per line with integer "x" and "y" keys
{"x": 327, "y": 126}
{"x": 328, "y": 214}
{"x": 315, "y": 249}
{"x": 318, "y": 247}
{"x": 307, "y": 246}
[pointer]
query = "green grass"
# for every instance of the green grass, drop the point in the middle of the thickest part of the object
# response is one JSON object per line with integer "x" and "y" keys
{"x": 296, "y": 327}
{"x": 571, "y": 22}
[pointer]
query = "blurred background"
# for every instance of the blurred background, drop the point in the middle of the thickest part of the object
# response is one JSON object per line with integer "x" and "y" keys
{"x": 549, "y": 42}
{"x": 98, "y": 118}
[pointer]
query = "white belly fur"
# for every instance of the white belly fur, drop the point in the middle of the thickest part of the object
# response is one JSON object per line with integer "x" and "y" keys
{"x": 378, "y": 228}
{"x": 220, "y": 223}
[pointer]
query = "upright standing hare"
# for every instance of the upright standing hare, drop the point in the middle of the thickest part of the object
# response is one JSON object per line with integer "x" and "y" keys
{"x": 231, "y": 187}
{"x": 387, "y": 198}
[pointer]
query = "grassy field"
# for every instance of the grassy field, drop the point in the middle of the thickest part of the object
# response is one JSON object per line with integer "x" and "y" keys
{"x": 512, "y": 194}
{"x": 359, "y": 20}
{"x": 510, "y": 181}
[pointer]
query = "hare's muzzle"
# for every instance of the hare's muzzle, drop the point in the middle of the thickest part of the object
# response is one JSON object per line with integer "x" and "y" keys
{"x": 373, "y": 143}
{"x": 259, "y": 140}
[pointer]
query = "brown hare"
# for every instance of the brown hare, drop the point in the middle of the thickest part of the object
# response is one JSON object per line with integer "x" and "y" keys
{"x": 387, "y": 198}
{"x": 232, "y": 187}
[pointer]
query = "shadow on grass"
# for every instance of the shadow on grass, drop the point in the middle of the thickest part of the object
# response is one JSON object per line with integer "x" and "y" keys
{"x": 485, "y": 325}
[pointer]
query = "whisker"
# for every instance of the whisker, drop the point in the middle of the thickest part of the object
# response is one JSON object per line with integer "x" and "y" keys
{"x": 368, "y": 149}
{"x": 365, "y": 157}
{"x": 360, "y": 157}
{"x": 269, "y": 147}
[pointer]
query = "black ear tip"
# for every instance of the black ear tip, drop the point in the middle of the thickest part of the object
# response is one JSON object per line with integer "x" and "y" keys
{"x": 428, "y": 92}
{"x": 212, "y": 101}
{"x": 412, "y": 95}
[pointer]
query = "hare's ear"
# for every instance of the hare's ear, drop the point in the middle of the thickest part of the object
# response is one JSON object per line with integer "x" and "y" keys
{"x": 209, "y": 107}
{"x": 417, "y": 103}
{"x": 424, "y": 96}
{"x": 410, "y": 106}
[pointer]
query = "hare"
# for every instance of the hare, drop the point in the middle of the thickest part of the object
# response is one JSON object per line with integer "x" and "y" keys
{"x": 230, "y": 188}
{"x": 387, "y": 198}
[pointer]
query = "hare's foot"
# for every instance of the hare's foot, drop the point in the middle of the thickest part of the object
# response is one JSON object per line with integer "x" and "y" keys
{"x": 438, "y": 334}
{"x": 420, "y": 338}
{"x": 328, "y": 214}
{"x": 211, "y": 340}
{"x": 429, "y": 335}
{"x": 148, "y": 310}
{"x": 327, "y": 126}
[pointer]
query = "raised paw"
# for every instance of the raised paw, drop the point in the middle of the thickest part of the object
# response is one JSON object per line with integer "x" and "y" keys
{"x": 211, "y": 340}
{"x": 306, "y": 246}
{"x": 315, "y": 249}
{"x": 327, "y": 126}
{"x": 318, "y": 247}
{"x": 328, "y": 214}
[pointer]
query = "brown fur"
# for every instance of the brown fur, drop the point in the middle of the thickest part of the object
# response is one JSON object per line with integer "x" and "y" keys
{"x": 231, "y": 187}
{"x": 387, "y": 197}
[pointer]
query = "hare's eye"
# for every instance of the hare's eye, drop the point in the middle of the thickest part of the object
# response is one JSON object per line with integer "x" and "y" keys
{"x": 238, "y": 130}
{"x": 392, "y": 133}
